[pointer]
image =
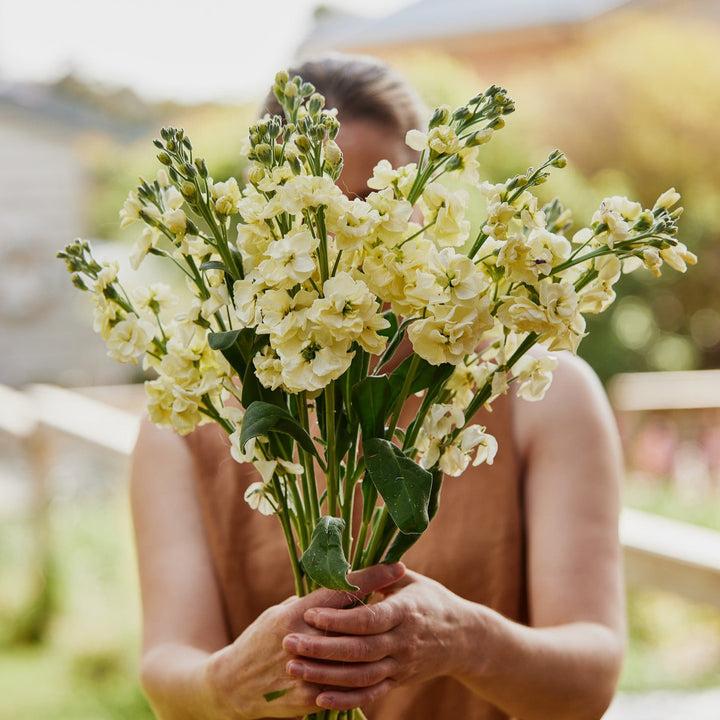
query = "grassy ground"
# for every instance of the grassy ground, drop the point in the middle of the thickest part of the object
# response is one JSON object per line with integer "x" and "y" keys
{"x": 86, "y": 668}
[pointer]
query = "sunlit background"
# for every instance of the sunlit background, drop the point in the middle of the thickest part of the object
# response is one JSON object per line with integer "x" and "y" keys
{"x": 630, "y": 90}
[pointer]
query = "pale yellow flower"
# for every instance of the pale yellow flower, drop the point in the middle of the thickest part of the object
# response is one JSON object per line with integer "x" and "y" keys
{"x": 147, "y": 239}
{"x": 259, "y": 497}
{"x": 175, "y": 221}
{"x": 289, "y": 260}
{"x": 534, "y": 375}
{"x": 678, "y": 257}
{"x": 130, "y": 211}
{"x": 129, "y": 338}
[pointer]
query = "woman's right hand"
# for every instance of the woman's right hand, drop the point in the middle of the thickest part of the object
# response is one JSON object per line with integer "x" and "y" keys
{"x": 239, "y": 676}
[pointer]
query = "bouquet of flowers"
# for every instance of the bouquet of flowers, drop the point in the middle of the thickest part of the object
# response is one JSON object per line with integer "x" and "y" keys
{"x": 300, "y": 300}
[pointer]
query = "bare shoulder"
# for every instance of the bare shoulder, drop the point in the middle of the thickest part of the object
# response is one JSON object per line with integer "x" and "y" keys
{"x": 574, "y": 407}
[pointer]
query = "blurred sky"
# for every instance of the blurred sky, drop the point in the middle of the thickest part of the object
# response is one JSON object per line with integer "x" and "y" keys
{"x": 185, "y": 50}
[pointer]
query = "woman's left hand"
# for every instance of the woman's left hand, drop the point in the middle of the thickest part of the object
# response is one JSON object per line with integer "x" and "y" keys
{"x": 410, "y": 635}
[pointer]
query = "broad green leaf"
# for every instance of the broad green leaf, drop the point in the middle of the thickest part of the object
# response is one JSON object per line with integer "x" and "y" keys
{"x": 235, "y": 345}
{"x": 324, "y": 560}
{"x": 262, "y": 418}
{"x": 371, "y": 403}
{"x": 426, "y": 376}
{"x": 252, "y": 388}
{"x": 404, "y": 485}
{"x": 402, "y": 543}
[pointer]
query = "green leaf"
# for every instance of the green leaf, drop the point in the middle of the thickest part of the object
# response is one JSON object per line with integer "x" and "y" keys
{"x": 404, "y": 485}
{"x": 402, "y": 543}
{"x": 324, "y": 560}
{"x": 275, "y": 694}
{"x": 262, "y": 418}
{"x": 235, "y": 345}
{"x": 426, "y": 375}
{"x": 371, "y": 403}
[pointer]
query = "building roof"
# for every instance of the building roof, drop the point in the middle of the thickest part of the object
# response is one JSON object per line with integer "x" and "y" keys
{"x": 50, "y": 105}
{"x": 432, "y": 19}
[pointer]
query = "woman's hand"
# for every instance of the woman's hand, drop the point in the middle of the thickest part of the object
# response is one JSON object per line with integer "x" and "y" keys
{"x": 414, "y": 633}
{"x": 240, "y": 676}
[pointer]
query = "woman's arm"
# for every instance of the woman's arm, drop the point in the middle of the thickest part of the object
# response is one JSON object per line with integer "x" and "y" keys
{"x": 190, "y": 670}
{"x": 567, "y": 663}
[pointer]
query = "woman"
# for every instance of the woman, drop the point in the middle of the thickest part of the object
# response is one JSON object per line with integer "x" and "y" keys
{"x": 511, "y": 604}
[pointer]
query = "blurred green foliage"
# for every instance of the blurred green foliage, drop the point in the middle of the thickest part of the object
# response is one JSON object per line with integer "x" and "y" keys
{"x": 85, "y": 668}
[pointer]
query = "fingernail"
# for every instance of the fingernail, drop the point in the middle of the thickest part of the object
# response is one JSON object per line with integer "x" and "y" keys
{"x": 293, "y": 667}
{"x": 290, "y": 643}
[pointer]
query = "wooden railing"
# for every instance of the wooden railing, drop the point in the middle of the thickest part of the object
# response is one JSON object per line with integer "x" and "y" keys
{"x": 663, "y": 553}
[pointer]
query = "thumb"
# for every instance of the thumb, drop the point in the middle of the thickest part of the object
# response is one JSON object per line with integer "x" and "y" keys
{"x": 368, "y": 581}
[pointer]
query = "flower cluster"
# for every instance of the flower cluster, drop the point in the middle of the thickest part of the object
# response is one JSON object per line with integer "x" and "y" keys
{"x": 299, "y": 297}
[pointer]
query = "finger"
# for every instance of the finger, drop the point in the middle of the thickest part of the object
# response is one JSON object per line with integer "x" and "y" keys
{"x": 339, "y": 649}
{"x": 368, "y": 581}
{"x": 360, "y": 620}
{"x": 352, "y": 675}
{"x": 348, "y": 699}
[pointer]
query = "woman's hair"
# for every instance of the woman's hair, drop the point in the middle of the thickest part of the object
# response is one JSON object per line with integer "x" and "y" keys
{"x": 361, "y": 88}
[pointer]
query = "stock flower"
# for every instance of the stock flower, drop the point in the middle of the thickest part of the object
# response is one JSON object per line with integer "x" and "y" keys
{"x": 385, "y": 176}
{"x": 678, "y": 257}
{"x": 308, "y": 366}
{"x": 175, "y": 221}
{"x": 130, "y": 211}
{"x": 305, "y": 191}
{"x": 129, "y": 338}
{"x": 227, "y": 196}
{"x": 351, "y": 221}
{"x": 348, "y": 311}
{"x": 393, "y": 216}
{"x": 154, "y": 298}
{"x": 439, "y": 422}
{"x": 534, "y": 375}
{"x": 445, "y": 219}
{"x": 474, "y": 437}
{"x": 259, "y": 497}
{"x": 147, "y": 239}
{"x": 289, "y": 260}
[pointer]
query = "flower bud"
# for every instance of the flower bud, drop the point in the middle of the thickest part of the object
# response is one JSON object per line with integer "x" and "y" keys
{"x": 171, "y": 145}
{"x": 79, "y": 283}
{"x": 262, "y": 152}
{"x": 307, "y": 89}
{"x": 479, "y": 137}
{"x": 291, "y": 90}
{"x": 462, "y": 113}
{"x": 164, "y": 158}
{"x": 558, "y": 159}
{"x": 302, "y": 143}
{"x": 189, "y": 170}
{"x": 333, "y": 154}
{"x": 496, "y": 123}
{"x": 201, "y": 165}
{"x": 440, "y": 116}
{"x": 256, "y": 174}
{"x": 281, "y": 78}
{"x": 187, "y": 190}
{"x": 315, "y": 104}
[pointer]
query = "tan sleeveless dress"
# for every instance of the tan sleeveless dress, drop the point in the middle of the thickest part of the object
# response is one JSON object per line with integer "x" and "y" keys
{"x": 475, "y": 546}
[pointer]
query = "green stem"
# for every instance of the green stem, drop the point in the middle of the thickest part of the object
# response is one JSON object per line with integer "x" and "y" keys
{"x": 308, "y": 479}
{"x": 289, "y": 540}
{"x": 400, "y": 402}
{"x": 330, "y": 459}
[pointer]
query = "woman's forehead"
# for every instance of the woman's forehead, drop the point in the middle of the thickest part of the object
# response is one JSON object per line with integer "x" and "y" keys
{"x": 363, "y": 145}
